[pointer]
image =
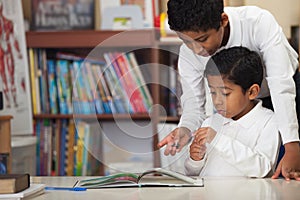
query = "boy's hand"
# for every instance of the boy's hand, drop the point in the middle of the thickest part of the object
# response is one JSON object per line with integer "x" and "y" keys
{"x": 175, "y": 141}
{"x": 289, "y": 165}
{"x": 198, "y": 147}
{"x": 205, "y": 134}
{"x": 197, "y": 150}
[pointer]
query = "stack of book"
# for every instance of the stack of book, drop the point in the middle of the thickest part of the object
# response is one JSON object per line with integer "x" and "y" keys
{"x": 71, "y": 84}
{"x": 17, "y": 186}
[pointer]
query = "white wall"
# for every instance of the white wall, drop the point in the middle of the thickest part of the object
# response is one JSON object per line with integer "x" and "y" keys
{"x": 287, "y": 12}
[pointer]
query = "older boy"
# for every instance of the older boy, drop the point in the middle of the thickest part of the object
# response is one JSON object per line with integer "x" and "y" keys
{"x": 206, "y": 27}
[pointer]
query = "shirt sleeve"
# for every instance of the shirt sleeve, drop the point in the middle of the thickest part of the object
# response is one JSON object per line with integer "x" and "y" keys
{"x": 192, "y": 167}
{"x": 281, "y": 63}
{"x": 252, "y": 162}
{"x": 193, "y": 99}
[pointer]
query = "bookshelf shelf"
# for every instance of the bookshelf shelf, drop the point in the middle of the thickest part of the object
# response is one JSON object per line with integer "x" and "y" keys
{"x": 89, "y": 39}
{"x": 99, "y": 117}
{"x": 174, "y": 119}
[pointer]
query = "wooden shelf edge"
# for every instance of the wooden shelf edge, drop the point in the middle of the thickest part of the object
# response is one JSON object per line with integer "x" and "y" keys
{"x": 6, "y": 117}
{"x": 89, "y": 38}
{"x": 174, "y": 119}
{"x": 142, "y": 116}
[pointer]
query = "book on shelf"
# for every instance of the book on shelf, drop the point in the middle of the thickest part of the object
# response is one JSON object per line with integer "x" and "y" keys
{"x": 3, "y": 162}
{"x": 139, "y": 78}
{"x": 116, "y": 92}
{"x": 149, "y": 9}
{"x": 168, "y": 179}
{"x": 33, "y": 191}
{"x": 13, "y": 183}
{"x": 62, "y": 15}
{"x": 63, "y": 86}
{"x": 52, "y": 86}
{"x": 72, "y": 84}
{"x": 64, "y": 150}
{"x": 116, "y": 85}
{"x": 126, "y": 74}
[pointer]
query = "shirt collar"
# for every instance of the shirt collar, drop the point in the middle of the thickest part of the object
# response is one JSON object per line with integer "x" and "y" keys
{"x": 235, "y": 35}
{"x": 247, "y": 120}
{"x": 251, "y": 117}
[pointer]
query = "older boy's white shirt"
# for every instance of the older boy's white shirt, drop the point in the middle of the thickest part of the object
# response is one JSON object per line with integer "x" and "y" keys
{"x": 246, "y": 147}
{"x": 257, "y": 30}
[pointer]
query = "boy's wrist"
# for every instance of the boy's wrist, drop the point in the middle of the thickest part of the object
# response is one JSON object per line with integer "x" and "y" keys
{"x": 292, "y": 147}
{"x": 183, "y": 131}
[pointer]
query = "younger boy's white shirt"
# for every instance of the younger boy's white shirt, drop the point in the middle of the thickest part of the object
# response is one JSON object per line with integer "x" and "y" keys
{"x": 257, "y": 30}
{"x": 245, "y": 147}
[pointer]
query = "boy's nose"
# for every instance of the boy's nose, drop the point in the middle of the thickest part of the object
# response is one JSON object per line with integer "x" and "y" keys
{"x": 218, "y": 100}
{"x": 197, "y": 48}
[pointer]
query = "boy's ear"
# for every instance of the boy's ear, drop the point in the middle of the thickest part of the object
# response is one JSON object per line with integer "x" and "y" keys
{"x": 253, "y": 91}
{"x": 225, "y": 19}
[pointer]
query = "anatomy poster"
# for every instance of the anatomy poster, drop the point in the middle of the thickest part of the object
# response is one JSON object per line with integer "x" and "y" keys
{"x": 14, "y": 71}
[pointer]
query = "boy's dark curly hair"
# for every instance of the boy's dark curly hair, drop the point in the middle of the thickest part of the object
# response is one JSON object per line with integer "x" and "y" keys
{"x": 238, "y": 65}
{"x": 194, "y": 15}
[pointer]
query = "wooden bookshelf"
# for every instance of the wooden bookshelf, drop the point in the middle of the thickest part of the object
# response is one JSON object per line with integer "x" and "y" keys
{"x": 5, "y": 140}
{"x": 89, "y": 39}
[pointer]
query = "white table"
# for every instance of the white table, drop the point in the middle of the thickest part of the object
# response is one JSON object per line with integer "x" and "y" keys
{"x": 214, "y": 188}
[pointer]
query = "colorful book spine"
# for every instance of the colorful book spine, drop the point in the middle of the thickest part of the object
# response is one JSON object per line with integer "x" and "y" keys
{"x": 79, "y": 148}
{"x": 32, "y": 80}
{"x": 135, "y": 95}
{"x": 113, "y": 64}
{"x": 64, "y": 132}
{"x": 63, "y": 78}
{"x": 96, "y": 99}
{"x": 52, "y": 86}
{"x": 116, "y": 93}
{"x": 115, "y": 82}
{"x": 70, "y": 148}
{"x": 147, "y": 98}
{"x": 105, "y": 97}
{"x": 83, "y": 98}
{"x": 85, "y": 66}
{"x": 37, "y": 73}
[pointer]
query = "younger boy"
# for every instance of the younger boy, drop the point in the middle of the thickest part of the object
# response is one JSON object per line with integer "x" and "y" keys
{"x": 242, "y": 138}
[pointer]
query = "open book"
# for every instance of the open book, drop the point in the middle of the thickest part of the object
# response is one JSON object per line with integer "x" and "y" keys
{"x": 168, "y": 178}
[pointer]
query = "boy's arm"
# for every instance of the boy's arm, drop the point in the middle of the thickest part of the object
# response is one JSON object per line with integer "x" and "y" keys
{"x": 192, "y": 100}
{"x": 253, "y": 162}
{"x": 192, "y": 167}
{"x": 191, "y": 70}
{"x": 281, "y": 63}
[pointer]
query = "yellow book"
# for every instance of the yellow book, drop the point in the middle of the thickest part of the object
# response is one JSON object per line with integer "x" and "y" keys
{"x": 32, "y": 80}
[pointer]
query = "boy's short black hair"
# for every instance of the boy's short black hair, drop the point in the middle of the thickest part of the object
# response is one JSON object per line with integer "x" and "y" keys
{"x": 237, "y": 64}
{"x": 195, "y": 15}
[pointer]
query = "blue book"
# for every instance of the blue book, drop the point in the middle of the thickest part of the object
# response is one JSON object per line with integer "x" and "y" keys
{"x": 65, "y": 90}
{"x": 83, "y": 93}
{"x": 52, "y": 86}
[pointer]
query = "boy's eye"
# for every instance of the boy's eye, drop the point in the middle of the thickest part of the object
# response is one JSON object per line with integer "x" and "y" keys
{"x": 201, "y": 40}
{"x": 225, "y": 94}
